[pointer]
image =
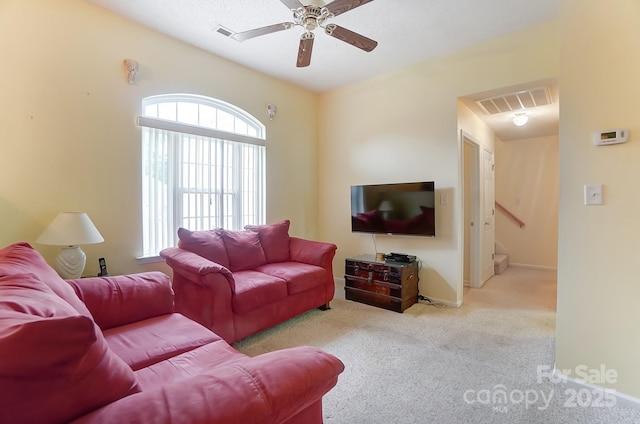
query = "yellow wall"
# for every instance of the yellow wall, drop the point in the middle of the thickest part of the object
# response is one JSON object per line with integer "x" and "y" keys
{"x": 598, "y": 277}
{"x": 402, "y": 126}
{"x": 527, "y": 185}
{"x": 68, "y": 142}
{"x": 68, "y": 138}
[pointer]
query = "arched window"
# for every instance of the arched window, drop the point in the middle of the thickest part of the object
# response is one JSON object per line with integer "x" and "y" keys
{"x": 203, "y": 167}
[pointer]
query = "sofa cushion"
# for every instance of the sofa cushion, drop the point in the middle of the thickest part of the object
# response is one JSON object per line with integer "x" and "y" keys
{"x": 30, "y": 311}
{"x": 207, "y": 243}
{"x": 52, "y": 357}
{"x": 124, "y": 299}
{"x": 201, "y": 360}
{"x": 300, "y": 277}
{"x": 244, "y": 249}
{"x": 274, "y": 239}
{"x": 255, "y": 289}
{"x": 20, "y": 258}
{"x": 162, "y": 337}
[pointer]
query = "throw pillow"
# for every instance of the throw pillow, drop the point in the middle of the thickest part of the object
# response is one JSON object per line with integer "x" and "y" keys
{"x": 207, "y": 243}
{"x": 244, "y": 249}
{"x": 274, "y": 239}
{"x": 55, "y": 363}
{"x": 21, "y": 258}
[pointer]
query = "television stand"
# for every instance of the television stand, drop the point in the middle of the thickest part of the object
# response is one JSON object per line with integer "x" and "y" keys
{"x": 388, "y": 285}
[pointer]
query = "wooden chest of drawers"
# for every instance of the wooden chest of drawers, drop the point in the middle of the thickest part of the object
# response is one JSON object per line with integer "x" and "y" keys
{"x": 388, "y": 285}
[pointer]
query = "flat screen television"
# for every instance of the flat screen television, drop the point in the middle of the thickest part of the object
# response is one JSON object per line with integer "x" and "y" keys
{"x": 394, "y": 209}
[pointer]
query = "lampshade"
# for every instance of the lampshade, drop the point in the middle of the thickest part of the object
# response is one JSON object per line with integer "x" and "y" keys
{"x": 70, "y": 229}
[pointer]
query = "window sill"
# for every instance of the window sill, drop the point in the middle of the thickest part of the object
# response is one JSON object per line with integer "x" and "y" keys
{"x": 142, "y": 260}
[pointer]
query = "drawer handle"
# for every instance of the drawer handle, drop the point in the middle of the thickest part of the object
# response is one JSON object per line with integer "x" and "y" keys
{"x": 370, "y": 278}
{"x": 385, "y": 275}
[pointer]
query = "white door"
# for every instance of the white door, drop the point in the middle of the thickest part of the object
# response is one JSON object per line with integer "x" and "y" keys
{"x": 488, "y": 215}
{"x": 473, "y": 213}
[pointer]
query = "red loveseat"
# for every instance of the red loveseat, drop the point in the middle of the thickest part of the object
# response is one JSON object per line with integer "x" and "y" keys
{"x": 237, "y": 283}
{"x": 112, "y": 350}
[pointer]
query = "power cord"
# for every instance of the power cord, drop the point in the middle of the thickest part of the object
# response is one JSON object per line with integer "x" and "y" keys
{"x": 424, "y": 299}
{"x": 427, "y": 301}
{"x": 375, "y": 247}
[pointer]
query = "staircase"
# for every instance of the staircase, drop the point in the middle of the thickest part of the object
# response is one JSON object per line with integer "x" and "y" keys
{"x": 501, "y": 256}
{"x": 500, "y": 259}
{"x": 500, "y": 263}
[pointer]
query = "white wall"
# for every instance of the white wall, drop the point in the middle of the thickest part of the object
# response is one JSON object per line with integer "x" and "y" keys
{"x": 598, "y": 275}
{"x": 68, "y": 137}
{"x": 403, "y": 126}
{"x": 527, "y": 174}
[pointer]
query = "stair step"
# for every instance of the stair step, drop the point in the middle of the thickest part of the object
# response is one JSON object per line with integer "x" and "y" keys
{"x": 500, "y": 263}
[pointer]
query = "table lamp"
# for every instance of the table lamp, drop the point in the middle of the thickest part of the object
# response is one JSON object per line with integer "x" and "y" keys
{"x": 70, "y": 229}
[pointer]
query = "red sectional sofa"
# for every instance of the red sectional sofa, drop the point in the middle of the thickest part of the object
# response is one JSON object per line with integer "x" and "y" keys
{"x": 112, "y": 350}
{"x": 237, "y": 283}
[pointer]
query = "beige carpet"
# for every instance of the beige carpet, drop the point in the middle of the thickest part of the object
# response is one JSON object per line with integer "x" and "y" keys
{"x": 444, "y": 365}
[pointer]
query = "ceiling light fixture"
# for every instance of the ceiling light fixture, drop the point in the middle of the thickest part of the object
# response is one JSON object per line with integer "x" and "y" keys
{"x": 520, "y": 119}
{"x": 310, "y": 17}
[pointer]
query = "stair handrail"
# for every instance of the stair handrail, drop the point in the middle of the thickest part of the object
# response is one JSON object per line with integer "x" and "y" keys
{"x": 510, "y": 215}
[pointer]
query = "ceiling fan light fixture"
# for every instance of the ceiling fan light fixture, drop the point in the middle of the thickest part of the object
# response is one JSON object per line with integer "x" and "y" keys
{"x": 520, "y": 119}
{"x": 310, "y": 23}
{"x": 310, "y": 17}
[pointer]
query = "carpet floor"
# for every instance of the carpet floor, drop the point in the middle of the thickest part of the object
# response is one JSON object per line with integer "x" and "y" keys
{"x": 486, "y": 362}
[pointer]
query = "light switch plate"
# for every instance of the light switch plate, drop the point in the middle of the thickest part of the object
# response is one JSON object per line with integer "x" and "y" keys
{"x": 593, "y": 194}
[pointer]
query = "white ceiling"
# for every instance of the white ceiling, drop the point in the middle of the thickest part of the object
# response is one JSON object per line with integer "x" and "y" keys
{"x": 407, "y": 32}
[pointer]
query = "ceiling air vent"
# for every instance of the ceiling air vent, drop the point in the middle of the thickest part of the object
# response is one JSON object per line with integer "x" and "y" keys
{"x": 224, "y": 31}
{"x": 516, "y": 101}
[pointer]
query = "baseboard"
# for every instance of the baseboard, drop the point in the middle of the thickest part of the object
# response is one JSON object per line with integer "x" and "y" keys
{"x": 621, "y": 399}
{"x": 540, "y": 267}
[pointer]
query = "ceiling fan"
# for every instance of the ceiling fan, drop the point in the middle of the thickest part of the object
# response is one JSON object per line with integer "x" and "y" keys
{"x": 311, "y": 17}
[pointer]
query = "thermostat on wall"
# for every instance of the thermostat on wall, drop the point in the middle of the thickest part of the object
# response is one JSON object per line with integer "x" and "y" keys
{"x": 614, "y": 136}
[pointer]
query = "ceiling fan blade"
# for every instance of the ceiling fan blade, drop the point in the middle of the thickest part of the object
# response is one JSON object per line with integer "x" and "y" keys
{"x": 292, "y": 4}
{"x": 340, "y": 6}
{"x": 304, "y": 50}
{"x": 353, "y": 38}
{"x": 252, "y": 33}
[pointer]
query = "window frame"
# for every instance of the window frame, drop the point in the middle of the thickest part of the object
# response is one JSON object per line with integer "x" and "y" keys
{"x": 183, "y": 132}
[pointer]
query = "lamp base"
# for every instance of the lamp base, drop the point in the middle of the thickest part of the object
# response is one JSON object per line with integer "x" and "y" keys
{"x": 70, "y": 262}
